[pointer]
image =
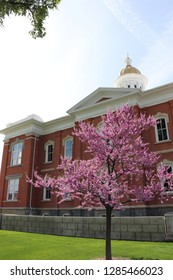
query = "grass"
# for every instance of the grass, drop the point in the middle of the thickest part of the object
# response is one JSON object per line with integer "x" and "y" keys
{"x": 32, "y": 246}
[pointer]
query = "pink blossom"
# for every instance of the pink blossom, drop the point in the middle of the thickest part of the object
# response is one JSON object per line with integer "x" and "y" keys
{"x": 120, "y": 162}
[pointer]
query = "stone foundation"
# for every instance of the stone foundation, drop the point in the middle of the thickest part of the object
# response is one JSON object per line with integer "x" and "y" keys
{"x": 125, "y": 228}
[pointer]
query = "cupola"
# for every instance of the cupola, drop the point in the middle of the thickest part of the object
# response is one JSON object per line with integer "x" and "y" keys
{"x": 130, "y": 77}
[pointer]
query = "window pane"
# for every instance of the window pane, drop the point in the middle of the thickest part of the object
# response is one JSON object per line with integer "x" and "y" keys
{"x": 15, "y": 195}
{"x": 49, "y": 158}
{"x": 46, "y": 193}
{"x": 68, "y": 148}
{"x": 49, "y": 153}
{"x": 50, "y": 148}
{"x": 165, "y": 136}
{"x": 14, "y": 148}
{"x": 13, "y": 186}
{"x": 16, "y": 155}
{"x": 68, "y": 153}
{"x": 160, "y": 135}
{"x": 69, "y": 144}
{"x": 166, "y": 183}
{"x": 162, "y": 130}
{"x": 163, "y": 123}
{"x": 10, "y": 196}
{"x": 158, "y": 125}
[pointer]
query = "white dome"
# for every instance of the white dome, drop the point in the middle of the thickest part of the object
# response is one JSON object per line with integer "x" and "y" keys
{"x": 130, "y": 77}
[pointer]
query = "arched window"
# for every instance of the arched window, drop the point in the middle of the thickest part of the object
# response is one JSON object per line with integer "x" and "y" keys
{"x": 49, "y": 146}
{"x": 16, "y": 153}
{"x": 161, "y": 128}
{"x": 169, "y": 164}
{"x": 68, "y": 147}
{"x": 46, "y": 193}
{"x": 13, "y": 188}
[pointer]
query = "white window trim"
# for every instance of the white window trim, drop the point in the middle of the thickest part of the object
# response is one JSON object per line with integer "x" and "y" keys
{"x": 44, "y": 195}
{"x": 168, "y": 163}
{"x": 10, "y": 178}
{"x": 18, "y": 141}
{"x": 162, "y": 116}
{"x": 64, "y": 144}
{"x": 47, "y": 144}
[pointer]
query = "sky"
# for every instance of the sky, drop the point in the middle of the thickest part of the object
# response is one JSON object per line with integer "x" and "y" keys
{"x": 85, "y": 48}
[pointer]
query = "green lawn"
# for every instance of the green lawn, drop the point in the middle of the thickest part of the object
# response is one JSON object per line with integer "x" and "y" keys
{"x": 31, "y": 246}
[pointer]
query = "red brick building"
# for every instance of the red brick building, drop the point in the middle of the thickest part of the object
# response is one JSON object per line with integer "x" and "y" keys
{"x": 31, "y": 144}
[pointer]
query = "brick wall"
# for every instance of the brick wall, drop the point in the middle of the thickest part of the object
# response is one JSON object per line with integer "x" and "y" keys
{"x": 126, "y": 228}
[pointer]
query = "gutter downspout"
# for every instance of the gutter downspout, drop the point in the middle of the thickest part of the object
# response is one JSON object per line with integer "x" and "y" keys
{"x": 32, "y": 177}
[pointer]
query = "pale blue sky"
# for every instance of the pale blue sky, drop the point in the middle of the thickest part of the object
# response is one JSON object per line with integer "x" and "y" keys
{"x": 85, "y": 48}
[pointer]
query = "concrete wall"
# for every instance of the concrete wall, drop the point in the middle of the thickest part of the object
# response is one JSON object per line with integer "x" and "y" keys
{"x": 126, "y": 228}
{"x": 169, "y": 226}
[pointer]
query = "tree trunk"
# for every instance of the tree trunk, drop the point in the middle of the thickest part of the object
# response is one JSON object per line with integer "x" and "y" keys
{"x": 108, "y": 232}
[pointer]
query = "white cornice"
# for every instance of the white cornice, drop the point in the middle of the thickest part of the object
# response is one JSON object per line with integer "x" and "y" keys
{"x": 157, "y": 95}
{"x": 58, "y": 124}
{"x": 95, "y": 104}
{"x": 165, "y": 87}
{"x": 30, "y": 126}
{"x": 36, "y": 127}
{"x": 90, "y": 107}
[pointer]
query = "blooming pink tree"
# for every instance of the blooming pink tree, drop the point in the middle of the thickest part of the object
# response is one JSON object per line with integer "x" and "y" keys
{"x": 121, "y": 168}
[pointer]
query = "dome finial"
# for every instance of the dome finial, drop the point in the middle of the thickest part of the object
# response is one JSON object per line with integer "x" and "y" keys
{"x": 128, "y": 60}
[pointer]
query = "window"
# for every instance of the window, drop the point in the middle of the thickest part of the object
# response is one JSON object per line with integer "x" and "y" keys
{"x": 13, "y": 187}
{"x": 46, "y": 193}
{"x": 161, "y": 128}
{"x": 166, "y": 183}
{"x": 67, "y": 197}
{"x": 169, "y": 164}
{"x": 68, "y": 148}
{"x": 49, "y": 151}
{"x": 16, "y": 156}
